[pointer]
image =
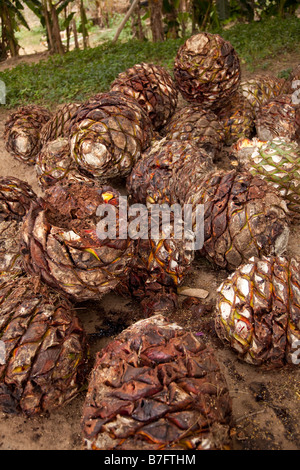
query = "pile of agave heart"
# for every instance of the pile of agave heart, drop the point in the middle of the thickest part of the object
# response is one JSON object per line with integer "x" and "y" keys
{"x": 156, "y": 385}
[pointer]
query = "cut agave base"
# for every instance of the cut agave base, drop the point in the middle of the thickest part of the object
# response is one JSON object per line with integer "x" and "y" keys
{"x": 258, "y": 311}
{"x": 156, "y": 386}
{"x": 22, "y": 132}
{"x": 108, "y": 133}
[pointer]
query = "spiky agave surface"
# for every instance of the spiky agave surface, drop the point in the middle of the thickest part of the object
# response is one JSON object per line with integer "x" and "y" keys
{"x": 279, "y": 117}
{"x": 108, "y": 133}
{"x": 201, "y": 126}
{"x": 257, "y": 311}
{"x": 260, "y": 89}
{"x": 278, "y": 162}
{"x": 43, "y": 349}
{"x": 156, "y": 387}
{"x": 60, "y": 241}
{"x": 152, "y": 86}
{"x": 22, "y": 132}
{"x": 207, "y": 70}
{"x": 243, "y": 216}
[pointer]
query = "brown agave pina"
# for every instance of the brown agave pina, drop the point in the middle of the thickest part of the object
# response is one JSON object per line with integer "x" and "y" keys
{"x": 156, "y": 386}
{"x": 15, "y": 199}
{"x": 279, "y": 117}
{"x": 237, "y": 119}
{"x": 59, "y": 124}
{"x": 54, "y": 164}
{"x": 152, "y": 86}
{"x": 207, "y": 70}
{"x": 201, "y": 126}
{"x": 258, "y": 313}
{"x": 43, "y": 349}
{"x": 260, "y": 89}
{"x": 154, "y": 177}
{"x": 108, "y": 133}
{"x": 277, "y": 161}
{"x": 243, "y": 216}
{"x": 60, "y": 241}
{"x": 163, "y": 258}
{"x": 23, "y": 130}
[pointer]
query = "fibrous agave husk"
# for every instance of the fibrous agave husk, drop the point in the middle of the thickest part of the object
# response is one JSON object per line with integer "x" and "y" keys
{"x": 152, "y": 87}
{"x": 23, "y": 130}
{"x": 108, "y": 133}
{"x": 60, "y": 242}
{"x": 207, "y": 70}
{"x": 202, "y": 127}
{"x": 258, "y": 314}
{"x": 279, "y": 117}
{"x": 156, "y": 387}
{"x": 43, "y": 356}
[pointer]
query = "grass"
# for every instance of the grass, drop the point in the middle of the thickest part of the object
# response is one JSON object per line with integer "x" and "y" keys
{"x": 79, "y": 74}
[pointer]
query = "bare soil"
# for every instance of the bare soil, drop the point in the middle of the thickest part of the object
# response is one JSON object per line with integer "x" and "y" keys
{"x": 266, "y": 403}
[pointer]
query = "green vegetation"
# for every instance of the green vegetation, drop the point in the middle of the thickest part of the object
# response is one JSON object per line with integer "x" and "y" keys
{"x": 81, "y": 73}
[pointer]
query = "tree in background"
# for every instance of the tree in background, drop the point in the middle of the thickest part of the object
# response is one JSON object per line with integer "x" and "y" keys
{"x": 156, "y": 20}
{"x": 11, "y": 17}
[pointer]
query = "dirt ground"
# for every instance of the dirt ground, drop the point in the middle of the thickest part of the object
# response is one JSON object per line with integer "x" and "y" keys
{"x": 266, "y": 404}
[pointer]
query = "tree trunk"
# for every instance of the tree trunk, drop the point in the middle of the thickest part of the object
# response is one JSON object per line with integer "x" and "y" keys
{"x": 85, "y": 34}
{"x": 58, "y": 46}
{"x": 9, "y": 34}
{"x": 124, "y": 21}
{"x": 68, "y": 29}
{"x": 74, "y": 27}
{"x": 48, "y": 26}
{"x": 137, "y": 27}
{"x": 156, "y": 20}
